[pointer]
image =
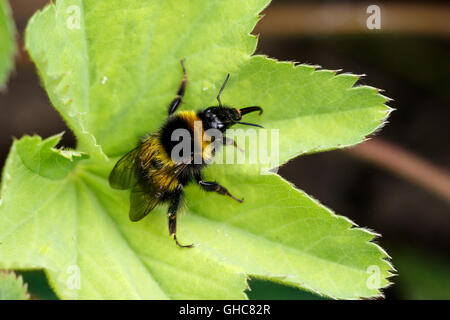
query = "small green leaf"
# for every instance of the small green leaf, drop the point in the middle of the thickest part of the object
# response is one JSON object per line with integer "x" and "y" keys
{"x": 43, "y": 159}
{"x": 7, "y": 43}
{"x": 12, "y": 287}
{"x": 111, "y": 69}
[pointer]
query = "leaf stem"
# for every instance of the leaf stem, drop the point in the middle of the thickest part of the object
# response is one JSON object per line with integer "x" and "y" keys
{"x": 406, "y": 164}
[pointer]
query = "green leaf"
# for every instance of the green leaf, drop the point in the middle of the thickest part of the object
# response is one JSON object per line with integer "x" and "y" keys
{"x": 7, "y": 43}
{"x": 12, "y": 287}
{"x": 267, "y": 290}
{"x": 65, "y": 227}
{"x": 43, "y": 159}
{"x": 111, "y": 74}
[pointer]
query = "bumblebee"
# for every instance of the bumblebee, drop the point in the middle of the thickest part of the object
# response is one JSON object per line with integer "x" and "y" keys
{"x": 154, "y": 177}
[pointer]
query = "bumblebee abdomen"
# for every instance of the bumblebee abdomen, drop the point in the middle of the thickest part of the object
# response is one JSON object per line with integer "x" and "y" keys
{"x": 155, "y": 162}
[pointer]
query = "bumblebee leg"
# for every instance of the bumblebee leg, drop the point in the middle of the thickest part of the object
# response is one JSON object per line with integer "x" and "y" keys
{"x": 211, "y": 186}
{"x": 172, "y": 215}
{"x": 180, "y": 94}
{"x": 230, "y": 142}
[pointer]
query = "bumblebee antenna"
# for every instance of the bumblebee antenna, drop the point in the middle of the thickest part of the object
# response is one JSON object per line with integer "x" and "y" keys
{"x": 221, "y": 89}
{"x": 249, "y": 124}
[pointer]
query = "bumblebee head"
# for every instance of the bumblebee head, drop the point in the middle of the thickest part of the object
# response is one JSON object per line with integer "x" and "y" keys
{"x": 222, "y": 118}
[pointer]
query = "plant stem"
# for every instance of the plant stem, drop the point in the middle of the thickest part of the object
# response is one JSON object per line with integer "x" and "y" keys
{"x": 406, "y": 164}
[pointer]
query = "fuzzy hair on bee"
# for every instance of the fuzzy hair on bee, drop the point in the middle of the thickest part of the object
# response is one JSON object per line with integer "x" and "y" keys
{"x": 152, "y": 173}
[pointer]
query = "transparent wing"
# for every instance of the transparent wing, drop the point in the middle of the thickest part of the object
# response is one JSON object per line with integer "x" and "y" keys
{"x": 123, "y": 175}
{"x": 142, "y": 202}
{"x": 144, "y": 197}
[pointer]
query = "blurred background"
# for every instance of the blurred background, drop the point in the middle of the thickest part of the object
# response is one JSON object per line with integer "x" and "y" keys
{"x": 397, "y": 183}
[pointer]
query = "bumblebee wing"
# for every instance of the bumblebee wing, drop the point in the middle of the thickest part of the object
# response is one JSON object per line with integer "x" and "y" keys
{"x": 123, "y": 175}
{"x": 142, "y": 202}
{"x": 144, "y": 198}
